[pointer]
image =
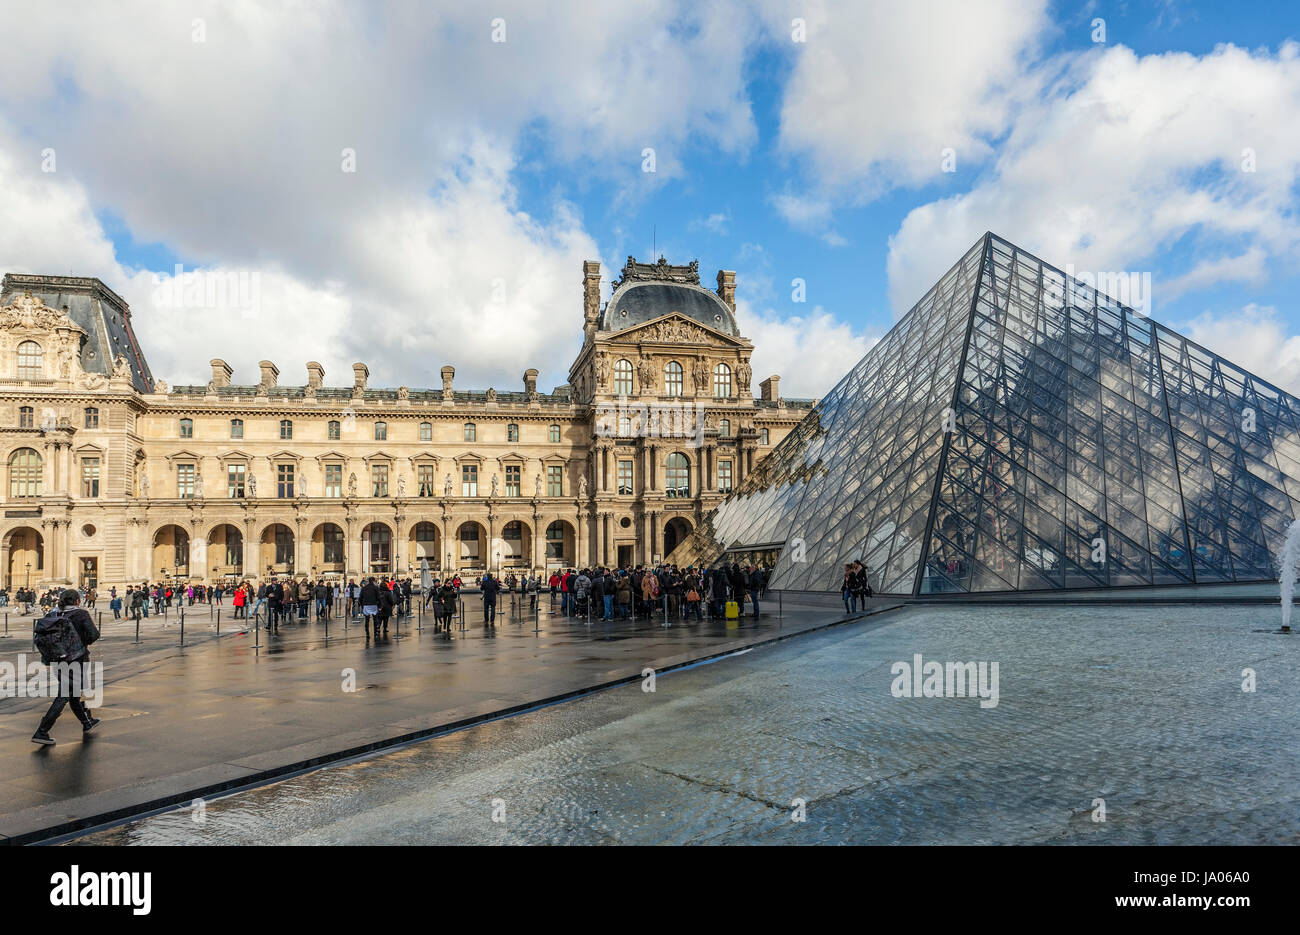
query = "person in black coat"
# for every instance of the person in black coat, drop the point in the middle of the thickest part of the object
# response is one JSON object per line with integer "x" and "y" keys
{"x": 370, "y": 605}
{"x": 718, "y": 591}
{"x": 489, "y": 586}
{"x": 69, "y": 688}
{"x": 388, "y": 599}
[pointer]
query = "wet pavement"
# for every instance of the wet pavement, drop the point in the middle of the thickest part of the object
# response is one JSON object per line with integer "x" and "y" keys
{"x": 1137, "y": 710}
{"x": 221, "y": 712}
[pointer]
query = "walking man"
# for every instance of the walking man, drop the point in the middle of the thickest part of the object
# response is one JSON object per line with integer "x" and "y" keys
{"x": 72, "y": 632}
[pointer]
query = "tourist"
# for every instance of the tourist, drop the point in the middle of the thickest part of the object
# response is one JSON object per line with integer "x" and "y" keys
{"x": 692, "y": 585}
{"x": 490, "y": 586}
{"x": 448, "y": 602}
{"x": 848, "y": 590}
{"x": 369, "y": 601}
{"x": 238, "y": 601}
{"x": 623, "y": 591}
{"x": 755, "y": 585}
{"x": 321, "y": 594}
{"x": 81, "y": 633}
{"x": 115, "y": 604}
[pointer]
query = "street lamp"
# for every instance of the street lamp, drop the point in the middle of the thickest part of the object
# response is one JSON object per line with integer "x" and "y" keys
{"x": 29, "y": 576}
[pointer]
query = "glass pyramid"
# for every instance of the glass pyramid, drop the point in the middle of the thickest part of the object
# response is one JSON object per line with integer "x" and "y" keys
{"x": 1017, "y": 430}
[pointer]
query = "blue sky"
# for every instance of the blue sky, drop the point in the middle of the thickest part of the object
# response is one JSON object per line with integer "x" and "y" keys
{"x": 212, "y": 138}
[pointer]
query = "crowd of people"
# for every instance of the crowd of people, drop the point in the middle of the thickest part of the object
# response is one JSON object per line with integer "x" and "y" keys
{"x": 694, "y": 591}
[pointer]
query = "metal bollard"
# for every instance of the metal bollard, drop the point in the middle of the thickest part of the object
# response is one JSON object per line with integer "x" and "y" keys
{"x": 182, "y": 628}
{"x": 667, "y": 622}
{"x": 137, "y": 629}
{"x": 537, "y": 619}
{"x": 780, "y": 604}
{"x": 218, "y": 623}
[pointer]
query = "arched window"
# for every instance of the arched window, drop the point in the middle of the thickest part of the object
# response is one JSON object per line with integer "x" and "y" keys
{"x": 92, "y": 417}
{"x": 26, "y": 417}
{"x": 286, "y": 428}
{"x": 623, "y": 378}
{"x": 554, "y": 435}
{"x": 678, "y": 476}
{"x": 724, "y": 428}
{"x": 236, "y": 428}
{"x": 25, "y": 473}
{"x": 512, "y": 432}
{"x": 722, "y": 381}
{"x": 381, "y": 431}
{"x": 426, "y": 431}
{"x": 764, "y": 437}
{"x": 29, "y": 361}
{"x": 333, "y": 432}
{"x": 471, "y": 432}
{"x": 673, "y": 378}
{"x": 187, "y": 428}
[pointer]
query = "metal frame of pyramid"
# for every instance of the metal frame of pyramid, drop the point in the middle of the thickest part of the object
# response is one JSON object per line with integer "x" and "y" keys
{"x": 1019, "y": 431}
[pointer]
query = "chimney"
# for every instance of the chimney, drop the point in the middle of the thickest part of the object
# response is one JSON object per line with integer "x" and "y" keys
{"x": 590, "y": 297}
{"x": 220, "y": 372}
{"x": 770, "y": 389}
{"x": 270, "y": 374}
{"x": 447, "y": 373}
{"x": 727, "y": 287}
{"x": 315, "y": 374}
{"x": 530, "y": 381}
{"x": 359, "y": 374}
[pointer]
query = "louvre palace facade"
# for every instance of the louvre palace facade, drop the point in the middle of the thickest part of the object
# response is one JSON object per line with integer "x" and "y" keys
{"x": 113, "y": 477}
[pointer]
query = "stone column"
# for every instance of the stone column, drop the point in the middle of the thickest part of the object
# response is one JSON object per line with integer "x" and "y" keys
{"x": 251, "y": 551}
{"x": 301, "y": 547}
{"x": 539, "y": 541}
{"x": 352, "y": 534}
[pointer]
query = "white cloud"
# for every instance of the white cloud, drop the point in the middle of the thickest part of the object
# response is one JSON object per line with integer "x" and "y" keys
{"x": 1253, "y": 339}
{"x": 810, "y": 352}
{"x": 1123, "y": 157}
{"x": 879, "y": 90}
{"x": 229, "y": 152}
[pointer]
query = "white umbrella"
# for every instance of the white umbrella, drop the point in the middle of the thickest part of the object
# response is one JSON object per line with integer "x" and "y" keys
{"x": 426, "y": 579}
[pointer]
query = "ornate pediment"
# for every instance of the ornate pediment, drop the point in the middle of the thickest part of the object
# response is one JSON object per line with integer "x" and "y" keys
{"x": 30, "y": 313}
{"x": 662, "y": 271}
{"x": 676, "y": 329}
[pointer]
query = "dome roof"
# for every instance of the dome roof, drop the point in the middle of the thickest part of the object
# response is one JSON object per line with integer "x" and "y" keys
{"x": 636, "y": 303}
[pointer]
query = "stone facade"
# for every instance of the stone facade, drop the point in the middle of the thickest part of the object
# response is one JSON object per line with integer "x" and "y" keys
{"x": 113, "y": 477}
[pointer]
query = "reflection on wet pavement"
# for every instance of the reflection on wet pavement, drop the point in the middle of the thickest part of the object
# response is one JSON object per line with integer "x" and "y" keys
{"x": 1141, "y": 707}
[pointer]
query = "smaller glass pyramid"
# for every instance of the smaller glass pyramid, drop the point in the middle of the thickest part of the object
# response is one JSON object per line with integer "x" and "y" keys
{"x": 1018, "y": 430}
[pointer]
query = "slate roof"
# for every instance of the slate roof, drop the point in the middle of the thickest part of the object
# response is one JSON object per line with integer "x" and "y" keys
{"x": 98, "y": 310}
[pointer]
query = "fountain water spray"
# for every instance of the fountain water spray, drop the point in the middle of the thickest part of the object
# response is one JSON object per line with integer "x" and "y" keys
{"x": 1290, "y": 556}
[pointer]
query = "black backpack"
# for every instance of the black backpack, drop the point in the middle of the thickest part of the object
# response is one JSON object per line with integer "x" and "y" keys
{"x": 56, "y": 638}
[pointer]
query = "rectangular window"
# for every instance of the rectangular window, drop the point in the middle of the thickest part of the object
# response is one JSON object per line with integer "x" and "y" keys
{"x": 625, "y": 478}
{"x": 333, "y": 551}
{"x": 381, "y": 431}
{"x": 512, "y": 432}
{"x": 284, "y": 481}
{"x": 424, "y": 477}
{"x": 284, "y": 542}
{"x": 554, "y": 434}
{"x": 554, "y": 480}
{"x": 236, "y": 428}
{"x": 92, "y": 418}
{"x": 379, "y": 478}
{"x": 26, "y": 417}
{"x": 187, "y": 428}
{"x": 332, "y": 431}
{"x": 333, "y": 480}
{"x": 90, "y": 477}
{"x": 286, "y": 429}
{"x": 185, "y": 481}
{"x": 513, "y": 475}
{"x": 471, "y": 432}
{"x": 235, "y": 476}
{"x": 469, "y": 480}
{"x": 724, "y": 477}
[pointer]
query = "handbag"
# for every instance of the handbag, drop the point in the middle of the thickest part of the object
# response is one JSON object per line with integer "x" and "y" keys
{"x": 692, "y": 595}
